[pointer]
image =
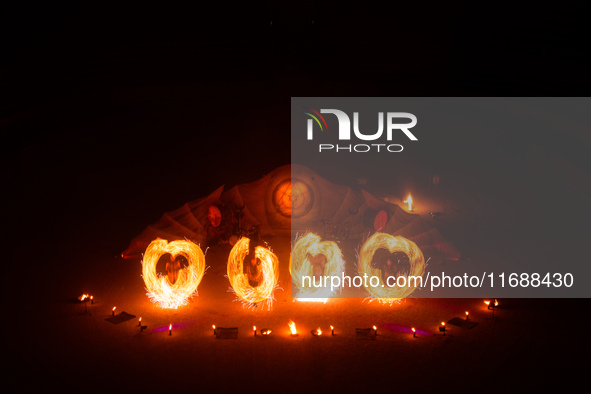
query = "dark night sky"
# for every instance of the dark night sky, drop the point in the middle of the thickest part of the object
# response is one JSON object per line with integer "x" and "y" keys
{"x": 116, "y": 115}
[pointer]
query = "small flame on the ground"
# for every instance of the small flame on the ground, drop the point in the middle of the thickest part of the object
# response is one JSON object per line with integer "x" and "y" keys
{"x": 266, "y": 332}
{"x": 292, "y": 328}
{"x": 83, "y": 297}
{"x": 409, "y": 202}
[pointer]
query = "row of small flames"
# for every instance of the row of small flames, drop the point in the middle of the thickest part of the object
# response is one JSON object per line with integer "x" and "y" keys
{"x": 292, "y": 326}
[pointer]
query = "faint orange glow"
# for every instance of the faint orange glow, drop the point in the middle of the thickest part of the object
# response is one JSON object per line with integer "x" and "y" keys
{"x": 382, "y": 292}
{"x": 293, "y": 198}
{"x": 409, "y": 202}
{"x": 269, "y": 268}
{"x": 311, "y": 256}
{"x": 292, "y": 328}
{"x": 160, "y": 289}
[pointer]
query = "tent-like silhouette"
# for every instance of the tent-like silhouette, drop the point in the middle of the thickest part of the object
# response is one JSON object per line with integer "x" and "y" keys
{"x": 292, "y": 199}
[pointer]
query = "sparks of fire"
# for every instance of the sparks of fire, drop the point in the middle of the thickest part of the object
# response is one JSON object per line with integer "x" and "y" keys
{"x": 269, "y": 272}
{"x": 83, "y": 297}
{"x": 292, "y": 328}
{"x": 318, "y": 331}
{"x": 409, "y": 202}
{"x": 160, "y": 289}
{"x": 313, "y": 258}
{"x": 266, "y": 332}
{"x": 382, "y": 292}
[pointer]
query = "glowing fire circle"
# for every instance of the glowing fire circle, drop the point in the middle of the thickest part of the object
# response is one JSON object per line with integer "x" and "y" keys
{"x": 404, "y": 287}
{"x": 269, "y": 272}
{"x": 160, "y": 289}
{"x": 293, "y": 198}
{"x": 312, "y": 257}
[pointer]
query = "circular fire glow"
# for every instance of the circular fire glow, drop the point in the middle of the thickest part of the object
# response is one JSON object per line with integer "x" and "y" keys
{"x": 160, "y": 289}
{"x": 382, "y": 291}
{"x": 269, "y": 272}
{"x": 293, "y": 198}
{"x": 312, "y": 257}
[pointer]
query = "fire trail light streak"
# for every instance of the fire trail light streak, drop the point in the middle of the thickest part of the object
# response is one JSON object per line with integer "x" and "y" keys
{"x": 160, "y": 289}
{"x": 307, "y": 259}
{"x": 382, "y": 292}
{"x": 269, "y": 266}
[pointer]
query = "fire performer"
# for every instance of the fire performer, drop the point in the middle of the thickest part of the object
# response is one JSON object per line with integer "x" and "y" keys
{"x": 172, "y": 269}
{"x": 318, "y": 263}
{"x": 251, "y": 264}
{"x": 388, "y": 263}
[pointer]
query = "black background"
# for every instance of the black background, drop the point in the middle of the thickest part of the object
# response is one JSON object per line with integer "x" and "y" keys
{"x": 111, "y": 113}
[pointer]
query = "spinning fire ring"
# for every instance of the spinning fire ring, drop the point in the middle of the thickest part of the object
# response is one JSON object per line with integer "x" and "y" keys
{"x": 269, "y": 272}
{"x": 393, "y": 244}
{"x": 160, "y": 289}
{"x": 307, "y": 252}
